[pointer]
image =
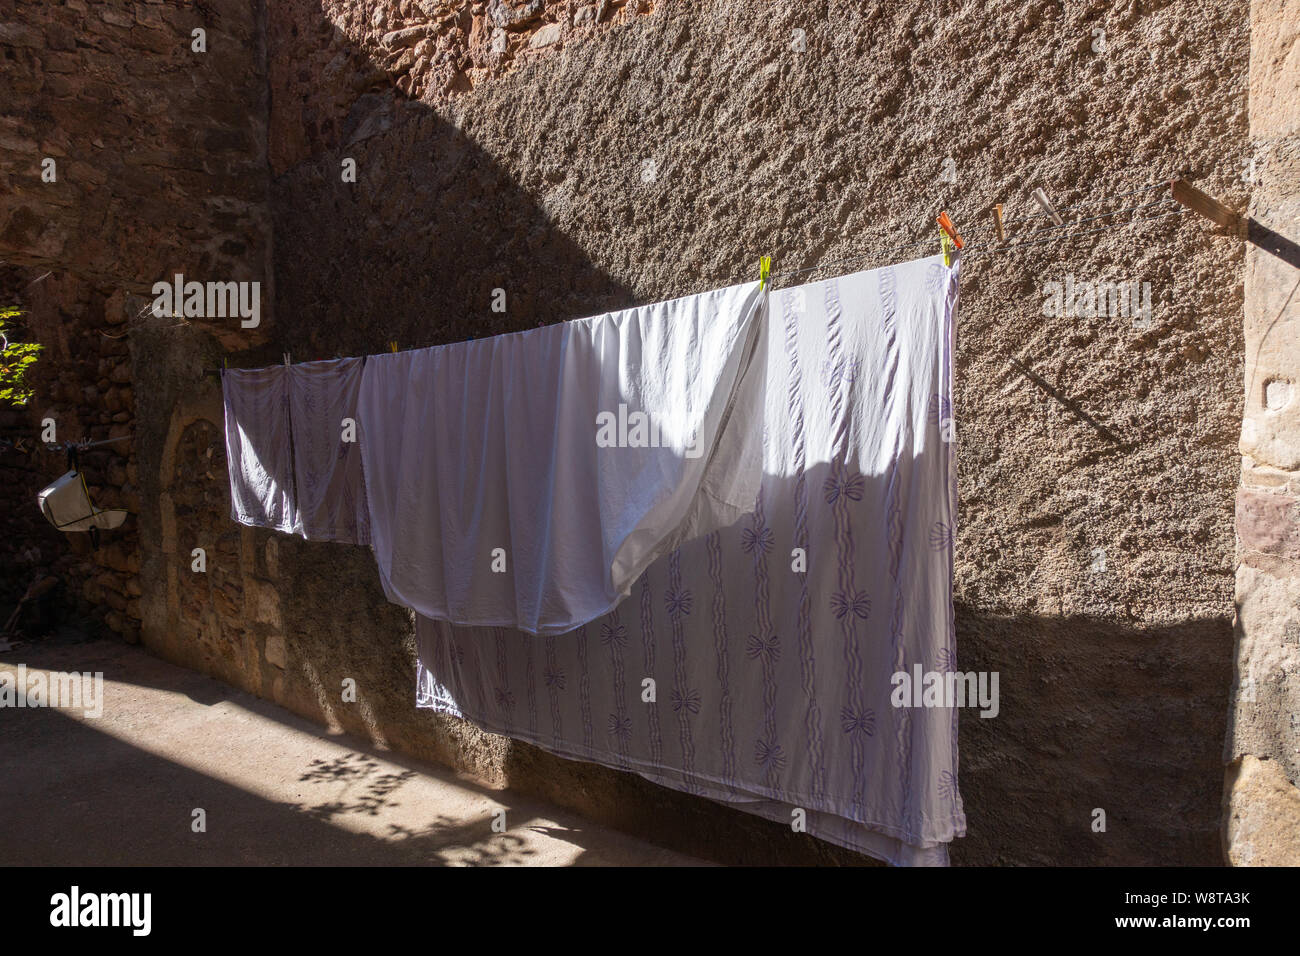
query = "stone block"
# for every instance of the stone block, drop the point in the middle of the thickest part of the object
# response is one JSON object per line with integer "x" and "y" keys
{"x": 1262, "y": 818}
{"x": 1268, "y": 522}
{"x": 546, "y": 36}
{"x": 275, "y": 651}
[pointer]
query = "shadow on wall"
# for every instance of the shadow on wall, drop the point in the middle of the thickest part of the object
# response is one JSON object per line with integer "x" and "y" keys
{"x": 1114, "y": 724}
{"x": 280, "y": 617}
{"x": 425, "y": 204}
{"x": 476, "y": 254}
{"x": 1094, "y": 716}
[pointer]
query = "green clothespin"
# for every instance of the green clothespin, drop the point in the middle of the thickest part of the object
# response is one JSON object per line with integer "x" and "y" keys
{"x": 945, "y": 246}
{"x": 764, "y": 271}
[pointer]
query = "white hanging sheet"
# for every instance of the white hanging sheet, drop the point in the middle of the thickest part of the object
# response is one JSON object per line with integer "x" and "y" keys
{"x": 526, "y": 480}
{"x": 773, "y": 644}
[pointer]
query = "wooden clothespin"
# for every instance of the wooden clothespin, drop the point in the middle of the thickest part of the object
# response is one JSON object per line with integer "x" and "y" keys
{"x": 997, "y": 221}
{"x": 764, "y": 271}
{"x": 1207, "y": 206}
{"x": 1040, "y": 197}
{"x": 286, "y": 359}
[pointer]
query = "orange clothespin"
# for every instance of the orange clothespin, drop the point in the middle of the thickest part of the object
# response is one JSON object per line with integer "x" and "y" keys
{"x": 946, "y": 225}
{"x": 947, "y": 235}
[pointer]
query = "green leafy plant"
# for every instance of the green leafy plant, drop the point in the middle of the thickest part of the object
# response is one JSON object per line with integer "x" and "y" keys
{"x": 16, "y": 360}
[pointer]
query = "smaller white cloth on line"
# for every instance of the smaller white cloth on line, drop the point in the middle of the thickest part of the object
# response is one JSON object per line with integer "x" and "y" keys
{"x": 331, "y": 494}
{"x": 526, "y": 480}
{"x": 292, "y": 449}
{"x": 259, "y": 456}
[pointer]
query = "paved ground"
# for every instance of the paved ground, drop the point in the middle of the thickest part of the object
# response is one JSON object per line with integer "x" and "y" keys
{"x": 122, "y": 788}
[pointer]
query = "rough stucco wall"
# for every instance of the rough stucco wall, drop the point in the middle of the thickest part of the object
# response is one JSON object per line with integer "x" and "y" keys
{"x": 1121, "y": 440}
{"x": 428, "y": 50}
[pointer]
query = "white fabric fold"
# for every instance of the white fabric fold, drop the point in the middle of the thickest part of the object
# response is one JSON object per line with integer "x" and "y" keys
{"x": 259, "y": 457}
{"x": 330, "y": 490}
{"x": 526, "y": 480}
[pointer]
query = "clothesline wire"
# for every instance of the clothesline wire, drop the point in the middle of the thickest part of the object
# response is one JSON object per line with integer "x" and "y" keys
{"x": 984, "y": 249}
{"x": 995, "y": 250}
{"x": 976, "y": 250}
{"x": 1059, "y": 230}
{"x": 1057, "y": 234}
{"x": 1162, "y": 184}
{"x": 843, "y": 262}
{"x": 1164, "y": 201}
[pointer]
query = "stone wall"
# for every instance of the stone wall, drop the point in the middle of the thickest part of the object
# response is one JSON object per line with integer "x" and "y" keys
{"x": 29, "y": 546}
{"x": 338, "y": 53}
{"x": 82, "y": 390}
{"x": 126, "y": 156}
{"x": 1261, "y": 820}
{"x": 588, "y": 156}
{"x": 159, "y": 150}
